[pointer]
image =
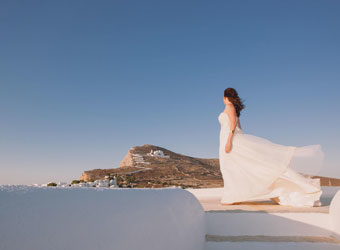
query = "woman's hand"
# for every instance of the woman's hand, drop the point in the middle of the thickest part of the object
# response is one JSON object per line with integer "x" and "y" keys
{"x": 227, "y": 148}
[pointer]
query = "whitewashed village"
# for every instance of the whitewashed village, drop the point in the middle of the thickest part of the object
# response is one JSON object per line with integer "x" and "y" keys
{"x": 109, "y": 181}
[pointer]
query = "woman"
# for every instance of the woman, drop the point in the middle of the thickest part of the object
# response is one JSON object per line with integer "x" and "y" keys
{"x": 254, "y": 168}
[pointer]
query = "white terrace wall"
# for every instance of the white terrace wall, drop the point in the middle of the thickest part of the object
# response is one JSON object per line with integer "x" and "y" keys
{"x": 36, "y": 218}
{"x": 334, "y": 214}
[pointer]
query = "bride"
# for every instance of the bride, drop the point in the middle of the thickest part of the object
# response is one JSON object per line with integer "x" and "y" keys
{"x": 254, "y": 168}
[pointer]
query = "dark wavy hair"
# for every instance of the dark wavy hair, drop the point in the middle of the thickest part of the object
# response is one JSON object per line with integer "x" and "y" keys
{"x": 233, "y": 97}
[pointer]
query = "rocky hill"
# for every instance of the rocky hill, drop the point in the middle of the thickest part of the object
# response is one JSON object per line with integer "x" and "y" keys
{"x": 153, "y": 166}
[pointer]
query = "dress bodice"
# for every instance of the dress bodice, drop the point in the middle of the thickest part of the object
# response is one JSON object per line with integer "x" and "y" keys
{"x": 225, "y": 123}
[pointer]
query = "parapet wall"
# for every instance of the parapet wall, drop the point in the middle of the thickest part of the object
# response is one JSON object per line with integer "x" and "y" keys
{"x": 97, "y": 218}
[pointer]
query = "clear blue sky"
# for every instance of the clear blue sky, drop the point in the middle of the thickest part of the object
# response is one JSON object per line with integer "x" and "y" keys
{"x": 83, "y": 81}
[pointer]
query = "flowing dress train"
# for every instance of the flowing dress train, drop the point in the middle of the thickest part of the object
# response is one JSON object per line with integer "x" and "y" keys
{"x": 257, "y": 167}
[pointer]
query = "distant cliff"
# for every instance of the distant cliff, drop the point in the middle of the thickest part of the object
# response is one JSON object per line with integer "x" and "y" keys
{"x": 153, "y": 166}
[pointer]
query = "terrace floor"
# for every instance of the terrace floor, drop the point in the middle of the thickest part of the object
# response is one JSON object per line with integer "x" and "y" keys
{"x": 209, "y": 198}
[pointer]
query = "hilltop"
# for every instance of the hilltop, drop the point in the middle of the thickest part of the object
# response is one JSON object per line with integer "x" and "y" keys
{"x": 152, "y": 166}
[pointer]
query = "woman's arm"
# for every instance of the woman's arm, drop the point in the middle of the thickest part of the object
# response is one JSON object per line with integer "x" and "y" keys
{"x": 232, "y": 118}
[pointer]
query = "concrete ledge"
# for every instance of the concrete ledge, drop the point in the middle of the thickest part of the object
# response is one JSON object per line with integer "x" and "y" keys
{"x": 38, "y": 218}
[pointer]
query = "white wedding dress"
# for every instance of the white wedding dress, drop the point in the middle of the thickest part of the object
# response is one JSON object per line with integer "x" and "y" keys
{"x": 257, "y": 169}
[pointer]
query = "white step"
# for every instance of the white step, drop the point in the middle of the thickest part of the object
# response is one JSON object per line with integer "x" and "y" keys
{"x": 239, "y": 222}
{"x": 254, "y": 245}
{"x": 266, "y": 226}
{"x": 240, "y": 229}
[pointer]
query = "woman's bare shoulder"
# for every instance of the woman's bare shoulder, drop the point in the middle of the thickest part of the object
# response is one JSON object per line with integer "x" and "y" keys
{"x": 230, "y": 108}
